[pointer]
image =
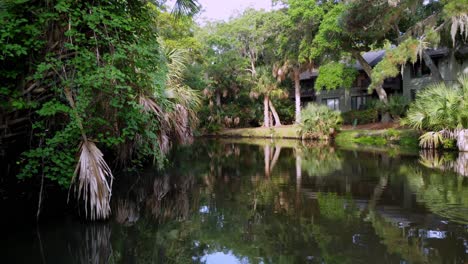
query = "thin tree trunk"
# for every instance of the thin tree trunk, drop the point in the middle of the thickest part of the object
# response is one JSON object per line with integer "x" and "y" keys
{"x": 379, "y": 89}
{"x": 275, "y": 114}
{"x": 297, "y": 93}
{"x": 431, "y": 65}
{"x": 270, "y": 116}
{"x": 266, "y": 111}
{"x": 218, "y": 98}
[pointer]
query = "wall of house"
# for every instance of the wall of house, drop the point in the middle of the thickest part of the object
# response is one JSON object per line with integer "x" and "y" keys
{"x": 449, "y": 68}
{"x": 344, "y": 96}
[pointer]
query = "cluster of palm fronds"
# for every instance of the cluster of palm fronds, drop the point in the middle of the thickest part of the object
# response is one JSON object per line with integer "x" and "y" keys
{"x": 319, "y": 122}
{"x": 443, "y": 111}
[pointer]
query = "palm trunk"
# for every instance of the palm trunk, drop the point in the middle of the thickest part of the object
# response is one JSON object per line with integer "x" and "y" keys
{"x": 275, "y": 114}
{"x": 379, "y": 89}
{"x": 218, "y": 99}
{"x": 297, "y": 93}
{"x": 462, "y": 140}
{"x": 266, "y": 111}
{"x": 431, "y": 65}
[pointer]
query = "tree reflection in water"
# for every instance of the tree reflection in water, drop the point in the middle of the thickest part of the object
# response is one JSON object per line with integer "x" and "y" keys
{"x": 282, "y": 202}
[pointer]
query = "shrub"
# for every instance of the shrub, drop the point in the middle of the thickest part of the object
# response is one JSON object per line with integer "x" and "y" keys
{"x": 319, "y": 122}
{"x": 361, "y": 116}
{"x": 397, "y": 106}
{"x": 442, "y": 110}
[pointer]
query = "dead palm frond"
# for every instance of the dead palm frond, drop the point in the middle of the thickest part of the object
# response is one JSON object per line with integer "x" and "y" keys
{"x": 94, "y": 181}
{"x": 92, "y": 175}
{"x": 431, "y": 140}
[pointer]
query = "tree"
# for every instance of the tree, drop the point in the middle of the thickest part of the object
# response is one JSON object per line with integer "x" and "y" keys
{"x": 436, "y": 23}
{"x": 82, "y": 76}
{"x": 267, "y": 86}
{"x": 298, "y": 26}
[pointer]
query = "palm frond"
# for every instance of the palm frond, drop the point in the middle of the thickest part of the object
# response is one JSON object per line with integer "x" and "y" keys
{"x": 431, "y": 140}
{"x": 93, "y": 179}
{"x": 186, "y": 7}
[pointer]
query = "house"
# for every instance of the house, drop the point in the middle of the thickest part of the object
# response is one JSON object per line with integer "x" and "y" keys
{"x": 415, "y": 77}
{"x": 450, "y": 64}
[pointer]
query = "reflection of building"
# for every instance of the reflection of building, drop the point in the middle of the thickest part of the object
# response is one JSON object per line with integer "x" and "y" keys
{"x": 414, "y": 77}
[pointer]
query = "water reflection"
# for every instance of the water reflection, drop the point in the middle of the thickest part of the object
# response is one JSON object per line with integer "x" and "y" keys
{"x": 274, "y": 202}
{"x": 456, "y": 162}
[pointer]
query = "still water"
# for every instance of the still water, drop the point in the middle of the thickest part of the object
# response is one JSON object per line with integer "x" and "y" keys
{"x": 268, "y": 202}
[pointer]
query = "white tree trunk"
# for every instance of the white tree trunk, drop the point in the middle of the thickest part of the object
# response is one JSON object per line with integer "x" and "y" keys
{"x": 297, "y": 93}
{"x": 275, "y": 114}
{"x": 266, "y": 111}
{"x": 462, "y": 140}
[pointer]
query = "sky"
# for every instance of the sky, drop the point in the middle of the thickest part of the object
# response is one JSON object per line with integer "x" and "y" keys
{"x": 223, "y": 9}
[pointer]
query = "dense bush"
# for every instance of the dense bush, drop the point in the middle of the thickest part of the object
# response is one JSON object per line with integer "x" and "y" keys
{"x": 361, "y": 116}
{"x": 319, "y": 122}
{"x": 397, "y": 106}
{"x": 441, "y": 109}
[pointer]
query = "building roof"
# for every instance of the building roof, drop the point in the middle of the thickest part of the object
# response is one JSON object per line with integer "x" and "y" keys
{"x": 373, "y": 57}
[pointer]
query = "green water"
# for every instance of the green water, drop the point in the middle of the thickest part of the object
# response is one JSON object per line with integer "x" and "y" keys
{"x": 265, "y": 202}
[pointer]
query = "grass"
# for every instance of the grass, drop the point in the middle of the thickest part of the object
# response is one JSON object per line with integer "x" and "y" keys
{"x": 291, "y": 132}
{"x": 403, "y": 140}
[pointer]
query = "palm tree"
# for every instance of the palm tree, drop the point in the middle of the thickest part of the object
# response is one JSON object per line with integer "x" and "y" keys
{"x": 267, "y": 86}
{"x": 186, "y": 7}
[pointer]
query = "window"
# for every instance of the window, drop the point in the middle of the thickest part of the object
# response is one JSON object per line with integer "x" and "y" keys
{"x": 332, "y": 103}
{"x": 358, "y": 102}
{"x": 413, "y": 94}
{"x": 420, "y": 69}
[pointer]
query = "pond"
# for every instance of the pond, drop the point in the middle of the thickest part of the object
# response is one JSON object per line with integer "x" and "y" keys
{"x": 259, "y": 201}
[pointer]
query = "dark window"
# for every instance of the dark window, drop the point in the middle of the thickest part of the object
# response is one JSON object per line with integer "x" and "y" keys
{"x": 359, "y": 102}
{"x": 332, "y": 103}
{"x": 420, "y": 69}
{"x": 413, "y": 94}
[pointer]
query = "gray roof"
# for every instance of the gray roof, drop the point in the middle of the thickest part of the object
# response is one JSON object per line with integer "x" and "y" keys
{"x": 373, "y": 57}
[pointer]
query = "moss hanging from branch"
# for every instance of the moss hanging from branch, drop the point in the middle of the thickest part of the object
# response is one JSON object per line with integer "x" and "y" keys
{"x": 391, "y": 65}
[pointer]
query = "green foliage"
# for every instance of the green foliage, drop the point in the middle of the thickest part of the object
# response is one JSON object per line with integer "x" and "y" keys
{"x": 335, "y": 75}
{"x": 440, "y": 107}
{"x": 319, "y": 122}
{"x": 395, "y": 58}
{"x": 397, "y": 106}
{"x": 361, "y": 117}
{"x": 108, "y": 55}
{"x": 371, "y": 140}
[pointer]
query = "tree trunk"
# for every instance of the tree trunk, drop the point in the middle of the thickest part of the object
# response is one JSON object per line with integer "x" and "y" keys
{"x": 462, "y": 140}
{"x": 297, "y": 93}
{"x": 368, "y": 69}
{"x": 266, "y": 111}
{"x": 275, "y": 114}
{"x": 379, "y": 89}
{"x": 431, "y": 65}
{"x": 270, "y": 116}
{"x": 218, "y": 98}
